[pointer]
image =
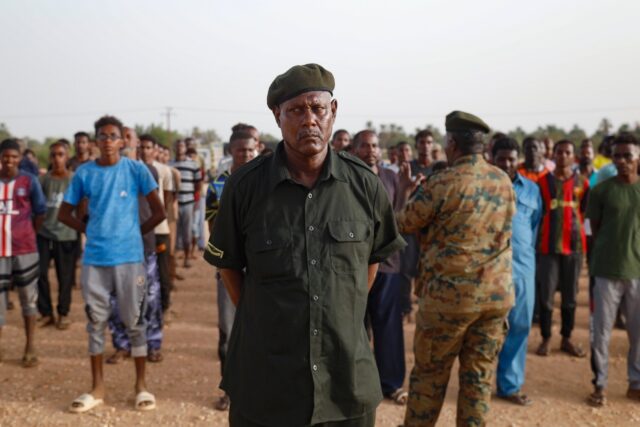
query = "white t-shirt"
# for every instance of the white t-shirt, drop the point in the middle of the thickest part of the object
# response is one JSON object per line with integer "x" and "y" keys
{"x": 165, "y": 183}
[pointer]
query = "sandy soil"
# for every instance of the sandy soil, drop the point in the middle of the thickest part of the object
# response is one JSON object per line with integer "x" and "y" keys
{"x": 185, "y": 383}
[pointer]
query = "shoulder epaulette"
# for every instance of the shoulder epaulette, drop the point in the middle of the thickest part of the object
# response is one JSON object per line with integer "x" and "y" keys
{"x": 244, "y": 170}
{"x": 354, "y": 160}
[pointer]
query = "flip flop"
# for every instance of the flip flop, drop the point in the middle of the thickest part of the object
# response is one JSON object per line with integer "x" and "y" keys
{"x": 117, "y": 357}
{"x": 86, "y": 403}
{"x": 145, "y": 397}
{"x": 29, "y": 360}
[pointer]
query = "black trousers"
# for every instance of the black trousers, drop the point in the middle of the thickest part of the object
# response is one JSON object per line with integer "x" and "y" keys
{"x": 64, "y": 259}
{"x": 555, "y": 272}
{"x": 162, "y": 251}
{"x": 368, "y": 420}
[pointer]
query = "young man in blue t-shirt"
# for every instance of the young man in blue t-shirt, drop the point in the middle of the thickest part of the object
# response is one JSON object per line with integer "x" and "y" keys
{"x": 113, "y": 256}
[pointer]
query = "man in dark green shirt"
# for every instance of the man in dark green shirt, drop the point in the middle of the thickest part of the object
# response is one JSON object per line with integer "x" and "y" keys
{"x": 615, "y": 265}
{"x": 309, "y": 226}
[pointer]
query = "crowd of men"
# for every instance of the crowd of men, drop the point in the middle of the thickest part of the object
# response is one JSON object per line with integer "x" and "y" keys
{"x": 321, "y": 247}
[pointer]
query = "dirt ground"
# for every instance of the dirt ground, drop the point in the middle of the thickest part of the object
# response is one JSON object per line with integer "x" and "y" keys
{"x": 185, "y": 383}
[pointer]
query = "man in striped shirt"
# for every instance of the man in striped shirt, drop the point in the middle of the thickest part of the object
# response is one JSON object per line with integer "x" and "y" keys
{"x": 561, "y": 245}
{"x": 190, "y": 179}
{"x": 22, "y": 209}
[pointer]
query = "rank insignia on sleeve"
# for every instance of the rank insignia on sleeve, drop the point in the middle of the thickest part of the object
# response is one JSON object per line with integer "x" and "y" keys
{"x": 214, "y": 251}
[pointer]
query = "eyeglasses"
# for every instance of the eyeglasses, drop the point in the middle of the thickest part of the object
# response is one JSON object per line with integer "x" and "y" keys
{"x": 102, "y": 137}
{"x": 58, "y": 154}
{"x": 626, "y": 156}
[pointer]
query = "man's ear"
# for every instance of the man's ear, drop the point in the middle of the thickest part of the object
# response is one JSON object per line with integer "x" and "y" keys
{"x": 276, "y": 114}
{"x": 334, "y": 108}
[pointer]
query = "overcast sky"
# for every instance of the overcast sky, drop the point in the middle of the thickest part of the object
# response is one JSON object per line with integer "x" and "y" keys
{"x": 64, "y": 62}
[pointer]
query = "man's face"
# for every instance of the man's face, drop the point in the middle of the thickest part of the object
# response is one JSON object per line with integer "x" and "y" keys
{"x": 563, "y": 155}
{"x": 625, "y": 157}
{"x": 507, "y": 160}
{"x": 586, "y": 154}
{"x": 533, "y": 152}
{"x": 58, "y": 157}
{"x": 131, "y": 138}
{"x": 109, "y": 140}
{"x": 243, "y": 151}
{"x": 548, "y": 147}
{"x": 368, "y": 149}
{"x": 437, "y": 153}
{"x": 164, "y": 156}
{"x": 340, "y": 141}
{"x": 10, "y": 159}
{"x": 147, "y": 151}
{"x": 81, "y": 145}
{"x": 306, "y": 122}
{"x": 424, "y": 145}
{"x": 404, "y": 153}
{"x": 181, "y": 148}
{"x": 393, "y": 155}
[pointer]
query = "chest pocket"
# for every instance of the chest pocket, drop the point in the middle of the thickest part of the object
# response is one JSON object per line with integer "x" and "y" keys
{"x": 270, "y": 254}
{"x": 525, "y": 207}
{"x": 349, "y": 247}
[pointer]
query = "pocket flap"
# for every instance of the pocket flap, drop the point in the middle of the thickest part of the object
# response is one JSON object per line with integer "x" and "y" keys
{"x": 348, "y": 231}
{"x": 263, "y": 241}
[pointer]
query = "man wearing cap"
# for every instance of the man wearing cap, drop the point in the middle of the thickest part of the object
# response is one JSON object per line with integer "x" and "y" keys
{"x": 309, "y": 227}
{"x": 465, "y": 287}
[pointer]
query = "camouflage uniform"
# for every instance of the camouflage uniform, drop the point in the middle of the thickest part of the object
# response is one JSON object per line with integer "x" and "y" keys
{"x": 463, "y": 215}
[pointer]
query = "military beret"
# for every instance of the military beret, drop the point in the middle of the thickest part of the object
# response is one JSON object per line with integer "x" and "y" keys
{"x": 461, "y": 121}
{"x": 299, "y": 79}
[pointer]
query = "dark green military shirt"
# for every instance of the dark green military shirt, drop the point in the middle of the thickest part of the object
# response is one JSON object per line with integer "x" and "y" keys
{"x": 299, "y": 353}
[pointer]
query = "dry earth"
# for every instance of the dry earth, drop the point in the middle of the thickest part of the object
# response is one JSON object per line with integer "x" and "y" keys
{"x": 185, "y": 383}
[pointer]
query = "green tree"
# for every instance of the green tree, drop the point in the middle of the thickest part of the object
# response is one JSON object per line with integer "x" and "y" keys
{"x": 159, "y": 133}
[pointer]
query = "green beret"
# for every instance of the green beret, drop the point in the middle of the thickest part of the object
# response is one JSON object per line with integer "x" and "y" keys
{"x": 457, "y": 121}
{"x": 299, "y": 79}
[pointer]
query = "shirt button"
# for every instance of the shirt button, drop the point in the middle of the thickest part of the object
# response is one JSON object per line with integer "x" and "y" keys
{"x": 315, "y": 367}
{"x": 311, "y": 228}
{"x": 310, "y": 196}
{"x": 314, "y": 262}
{"x": 315, "y": 332}
{"x": 315, "y": 297}
{"x": 351, "y": 235}
{"x": 269, "y": 242}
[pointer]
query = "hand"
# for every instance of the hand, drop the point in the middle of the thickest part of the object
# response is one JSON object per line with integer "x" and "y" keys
{"x": 409, "y": 184}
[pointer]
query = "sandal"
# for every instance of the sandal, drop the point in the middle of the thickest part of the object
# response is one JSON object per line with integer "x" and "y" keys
{"x": 597, "y": 399}
{"x": 155, "y": 356}
{"x": 571, "y": 349}
{"x": 118, "y": 357}
{"x": 399, "y": 396}
{"x": 633, "y": 393}
{"x": 45, "y": 321}
{"x": 83, "y": 403}
{"x": 517, "y": 398}
{"x": 145, "y": 401}
{"x": 29, "y": 360}
{"x": 543, "y": 349}
{"x": 63, "y": 323}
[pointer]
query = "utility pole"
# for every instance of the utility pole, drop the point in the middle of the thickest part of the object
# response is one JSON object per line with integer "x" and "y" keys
{"x": 168, "y": 115}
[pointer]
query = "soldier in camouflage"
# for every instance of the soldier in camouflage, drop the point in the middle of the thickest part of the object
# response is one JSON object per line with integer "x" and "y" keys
{"x": 465, "y": 288}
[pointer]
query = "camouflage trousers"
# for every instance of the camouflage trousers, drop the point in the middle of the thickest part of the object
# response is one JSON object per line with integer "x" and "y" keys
{"x": 152, "y": 314}
{"x": 476, "y": 339}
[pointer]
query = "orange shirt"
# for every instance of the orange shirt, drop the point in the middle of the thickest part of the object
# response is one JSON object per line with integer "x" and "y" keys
{"x": 532, "y": 175}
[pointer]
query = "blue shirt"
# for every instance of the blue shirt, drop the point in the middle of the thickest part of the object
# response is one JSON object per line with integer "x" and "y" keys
{"x": 113, "y": 231}
{"x": 525, "y": 227}
{"x": 606, "y": 172}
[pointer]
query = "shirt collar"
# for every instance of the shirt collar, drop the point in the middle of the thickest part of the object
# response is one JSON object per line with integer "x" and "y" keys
{"x": 469, "y": 159}
{"x": 279, "y": 172}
